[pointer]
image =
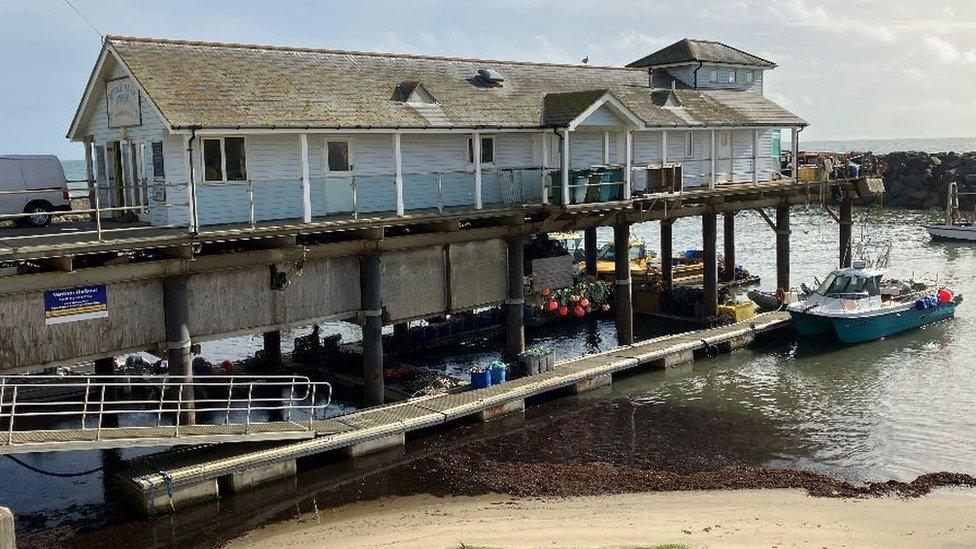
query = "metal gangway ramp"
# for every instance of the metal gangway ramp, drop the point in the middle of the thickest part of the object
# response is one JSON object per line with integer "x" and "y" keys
{"x": 82, "y": 412}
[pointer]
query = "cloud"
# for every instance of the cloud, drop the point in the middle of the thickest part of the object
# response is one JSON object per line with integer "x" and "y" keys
{"x": 799, "y": 13}
{"x": 947, "y": 53}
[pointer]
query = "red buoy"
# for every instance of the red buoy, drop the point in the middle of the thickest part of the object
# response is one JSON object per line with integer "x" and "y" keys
{"x": 552, "y": 306}
{"x": 563, "y": 311}
{"x": 579, "y": 311}
{"x": 945, "y": 295}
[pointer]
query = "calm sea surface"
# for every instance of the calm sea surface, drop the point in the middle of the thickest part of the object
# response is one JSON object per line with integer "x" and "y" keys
{"x": 889, "y": 409}
{"x": 884, "y": 146}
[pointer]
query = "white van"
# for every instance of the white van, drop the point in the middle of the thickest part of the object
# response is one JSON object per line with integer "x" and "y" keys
{"x": 43, "y": 175}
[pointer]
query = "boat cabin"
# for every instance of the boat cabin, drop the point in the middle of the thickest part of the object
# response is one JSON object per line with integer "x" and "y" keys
{"x": 195, "y": 134}
{"x": 851, "y": 283}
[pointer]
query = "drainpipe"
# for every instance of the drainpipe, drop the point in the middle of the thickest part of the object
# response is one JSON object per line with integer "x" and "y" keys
{"x": 698, "y": 68}
{"x": 192, "y": 186}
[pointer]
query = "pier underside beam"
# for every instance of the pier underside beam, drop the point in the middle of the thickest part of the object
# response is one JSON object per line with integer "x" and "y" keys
{"x": 667, "y": 255}
{"x": 783, "y": 247}
{"x": 622, "y": 290}
{"x": 515, "y": 302}
{"x": 710, "y": 260}
{"x": 728, "y": 236}
{"x": 371, "y": 277}
{"x": 846, "y": 228}
{"x": 589, "y": 248}
{"x": 176, "y": 309}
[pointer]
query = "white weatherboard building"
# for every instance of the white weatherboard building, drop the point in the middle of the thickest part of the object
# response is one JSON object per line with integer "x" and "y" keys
{"x": 198, "y": 134}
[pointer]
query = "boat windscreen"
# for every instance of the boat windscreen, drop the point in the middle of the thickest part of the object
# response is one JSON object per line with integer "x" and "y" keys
{"x": 845, "y": 284}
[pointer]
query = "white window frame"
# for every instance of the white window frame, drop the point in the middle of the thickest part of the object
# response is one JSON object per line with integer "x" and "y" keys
{"x": 223, "y": 158}
{"x": 350, "y": 151}
{"x": 713, "y": 76}
{"x": 469, "y": 150}
{"x": 689, "y": 145}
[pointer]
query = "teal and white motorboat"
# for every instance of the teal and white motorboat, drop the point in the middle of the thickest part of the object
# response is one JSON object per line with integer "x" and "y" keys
{"x": 856, "y": 305}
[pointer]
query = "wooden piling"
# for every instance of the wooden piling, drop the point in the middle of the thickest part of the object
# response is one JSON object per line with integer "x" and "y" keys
{"x": 710, "y": 260}
{"x": 589, "y": 249}
{"x": 106, "y": 367}
{"x": 372, "y": 306}
{"x": 623, "y": 301}
{"x": 272, "y": 348}
{"x": 846, "y": 228}
{"x": 783, "y": 247}
{"x": 667, "y": 255}
{"x": 515, "y": 302}
{"x": 176, "y": 309}
{"x": 728, "y": 237}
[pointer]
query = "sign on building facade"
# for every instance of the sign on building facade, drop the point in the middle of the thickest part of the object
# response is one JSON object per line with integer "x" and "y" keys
{"x": 123, "y": 103}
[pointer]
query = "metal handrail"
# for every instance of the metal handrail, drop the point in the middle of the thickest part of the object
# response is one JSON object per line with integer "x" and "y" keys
{"x": 291, "y": 394}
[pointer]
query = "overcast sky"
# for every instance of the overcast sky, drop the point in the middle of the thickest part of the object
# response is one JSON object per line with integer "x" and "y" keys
{"x": 852, "y": 68}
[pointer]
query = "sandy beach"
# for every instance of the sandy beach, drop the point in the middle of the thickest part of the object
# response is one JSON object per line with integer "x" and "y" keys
{"x": 731, "y": 518}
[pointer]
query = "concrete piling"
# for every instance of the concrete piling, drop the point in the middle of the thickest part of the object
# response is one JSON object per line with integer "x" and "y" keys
{"x": 667, "y": 255}
{"x": 728, "y": 237}
{"x": 515, "y": 301}
{"x": 8, "y": 538}
{"x": 176, "y": 308}
{"x": 710, "y": 260}
{"x": 623, "y": 301}
{"x": 589, "y": 250}
{"x": 371, "y": 300}
{"x": 783, "y": 247}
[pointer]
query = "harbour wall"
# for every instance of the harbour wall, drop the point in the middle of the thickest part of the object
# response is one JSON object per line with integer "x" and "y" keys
{"x": 920, "y": 180}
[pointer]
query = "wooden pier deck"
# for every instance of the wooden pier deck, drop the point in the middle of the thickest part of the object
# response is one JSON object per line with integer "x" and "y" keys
{"x": 159, "y": 481}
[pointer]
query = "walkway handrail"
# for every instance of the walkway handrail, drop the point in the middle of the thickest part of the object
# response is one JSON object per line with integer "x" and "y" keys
{"x": 160, "y": 401}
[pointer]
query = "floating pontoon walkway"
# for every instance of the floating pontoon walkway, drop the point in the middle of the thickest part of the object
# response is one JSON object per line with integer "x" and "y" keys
{"x": 160, "y": 482}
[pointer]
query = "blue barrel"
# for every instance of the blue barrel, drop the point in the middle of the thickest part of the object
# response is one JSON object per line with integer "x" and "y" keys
{"x": 481, "y": 379}
{"x": 497, "y": 372}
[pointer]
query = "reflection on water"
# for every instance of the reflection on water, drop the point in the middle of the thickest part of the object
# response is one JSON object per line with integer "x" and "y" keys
{"x": 887, "y": 409}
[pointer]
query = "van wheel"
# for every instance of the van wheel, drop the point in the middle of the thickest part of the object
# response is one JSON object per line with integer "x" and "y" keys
{"x": 39, "y": 217}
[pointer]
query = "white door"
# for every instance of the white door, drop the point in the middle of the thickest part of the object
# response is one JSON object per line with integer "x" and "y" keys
{"x": 724, "y": 153}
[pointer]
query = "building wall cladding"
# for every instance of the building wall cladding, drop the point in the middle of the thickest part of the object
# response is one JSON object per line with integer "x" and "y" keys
{"x": 436, "y": 170}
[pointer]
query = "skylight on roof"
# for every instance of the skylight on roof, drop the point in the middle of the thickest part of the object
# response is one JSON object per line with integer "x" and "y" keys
{"x": 491, "y": 76}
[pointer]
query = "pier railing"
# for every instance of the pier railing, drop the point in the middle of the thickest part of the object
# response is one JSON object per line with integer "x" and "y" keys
{"x": 161, "y": 406}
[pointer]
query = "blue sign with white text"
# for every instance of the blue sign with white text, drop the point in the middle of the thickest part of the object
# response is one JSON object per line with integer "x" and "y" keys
{"x": 72, "y": 304}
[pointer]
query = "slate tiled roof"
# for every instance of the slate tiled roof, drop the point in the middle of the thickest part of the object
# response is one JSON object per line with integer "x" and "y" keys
{"x": 707, "y": 51}
{"x": 232, "y": 85}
